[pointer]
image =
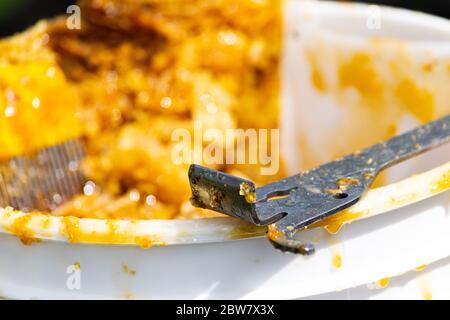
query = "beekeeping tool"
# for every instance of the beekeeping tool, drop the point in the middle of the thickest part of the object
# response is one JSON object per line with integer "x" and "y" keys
{"x": 296, "y": 202}
{"x": 42, "y": 180}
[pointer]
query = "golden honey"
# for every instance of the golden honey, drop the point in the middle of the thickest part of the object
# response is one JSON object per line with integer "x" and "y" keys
{"x": 124, "y": 84}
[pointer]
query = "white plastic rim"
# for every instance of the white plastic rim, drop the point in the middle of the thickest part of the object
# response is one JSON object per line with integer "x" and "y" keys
{"x": 353, "y": 21}
{"x": 413, "y": 231}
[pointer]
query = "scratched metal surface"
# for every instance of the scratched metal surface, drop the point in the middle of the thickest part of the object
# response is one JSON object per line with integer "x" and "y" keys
{"x": 313, "y": 195}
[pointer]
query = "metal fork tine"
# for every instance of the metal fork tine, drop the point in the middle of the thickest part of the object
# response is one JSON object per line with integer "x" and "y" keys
{"x": 4, "y": 195}
{"x": 44, "y": 179}
{"x": 33, "y": 182}
{"x": 66, "y": 182}
{"x": 77, "y": 178}
{"x": 21, "y": 181}
{"x": 53, "y": 170}
{"x": 76, "y": 155}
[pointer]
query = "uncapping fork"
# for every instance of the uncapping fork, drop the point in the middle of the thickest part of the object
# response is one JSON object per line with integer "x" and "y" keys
{"x": 294, "y": 203}
{"x": 44, "y": 179}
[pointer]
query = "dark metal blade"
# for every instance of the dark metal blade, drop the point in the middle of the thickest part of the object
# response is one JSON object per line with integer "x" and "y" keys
{"x": 300, "y": 200}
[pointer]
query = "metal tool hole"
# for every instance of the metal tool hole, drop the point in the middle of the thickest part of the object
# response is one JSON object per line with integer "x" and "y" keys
{"x": 341, "y": 195}
{"x": 280, "y": 194}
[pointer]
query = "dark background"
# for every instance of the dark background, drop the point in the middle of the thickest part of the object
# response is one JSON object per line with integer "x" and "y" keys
{"x": 16, "y": 15}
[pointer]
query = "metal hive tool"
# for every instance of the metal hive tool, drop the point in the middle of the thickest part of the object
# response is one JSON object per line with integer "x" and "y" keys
{"x": 44, "y": 180}
{"x": 300, "y": 200}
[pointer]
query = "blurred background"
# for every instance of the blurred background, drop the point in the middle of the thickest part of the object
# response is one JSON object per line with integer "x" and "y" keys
{"x": 16, "y": 15}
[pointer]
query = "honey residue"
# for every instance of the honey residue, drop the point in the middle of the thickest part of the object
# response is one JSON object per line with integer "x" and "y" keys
{"x": 128, "y": 270}
{"x": 418, "y": 100}
{"x": 334, "y": 228}
{"x": 20, "y": 229}
{"x": 317, "y": 78}
{"x": 391, "y": 131}
{"x": 128, "y": 296}
{"x": 424, "y": 287}
{"x": 246, "y": 230}
{"x": 113, "y": 230}
{"x": 427, "y": 295}
{"x": 360, "y": 73}
{"x": 45, "y": 222}
{"x": 71, "y": 229}
{"x": 443, "y": 183}
{"x": 380, "y": 180}
{"x": 420, "y": 268}
{"x": 345, "y": 182}
{"x": 273, "y": 233}
{"x": 247, "y": 190}
{"x": 337, "y": 261}
{"x": 428, "y": 67}
{"x": 144, "y": 242}
{"x": 382, "y": 283}
{"x": 335, "y": 222}
{"x": 31, "y": 90}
